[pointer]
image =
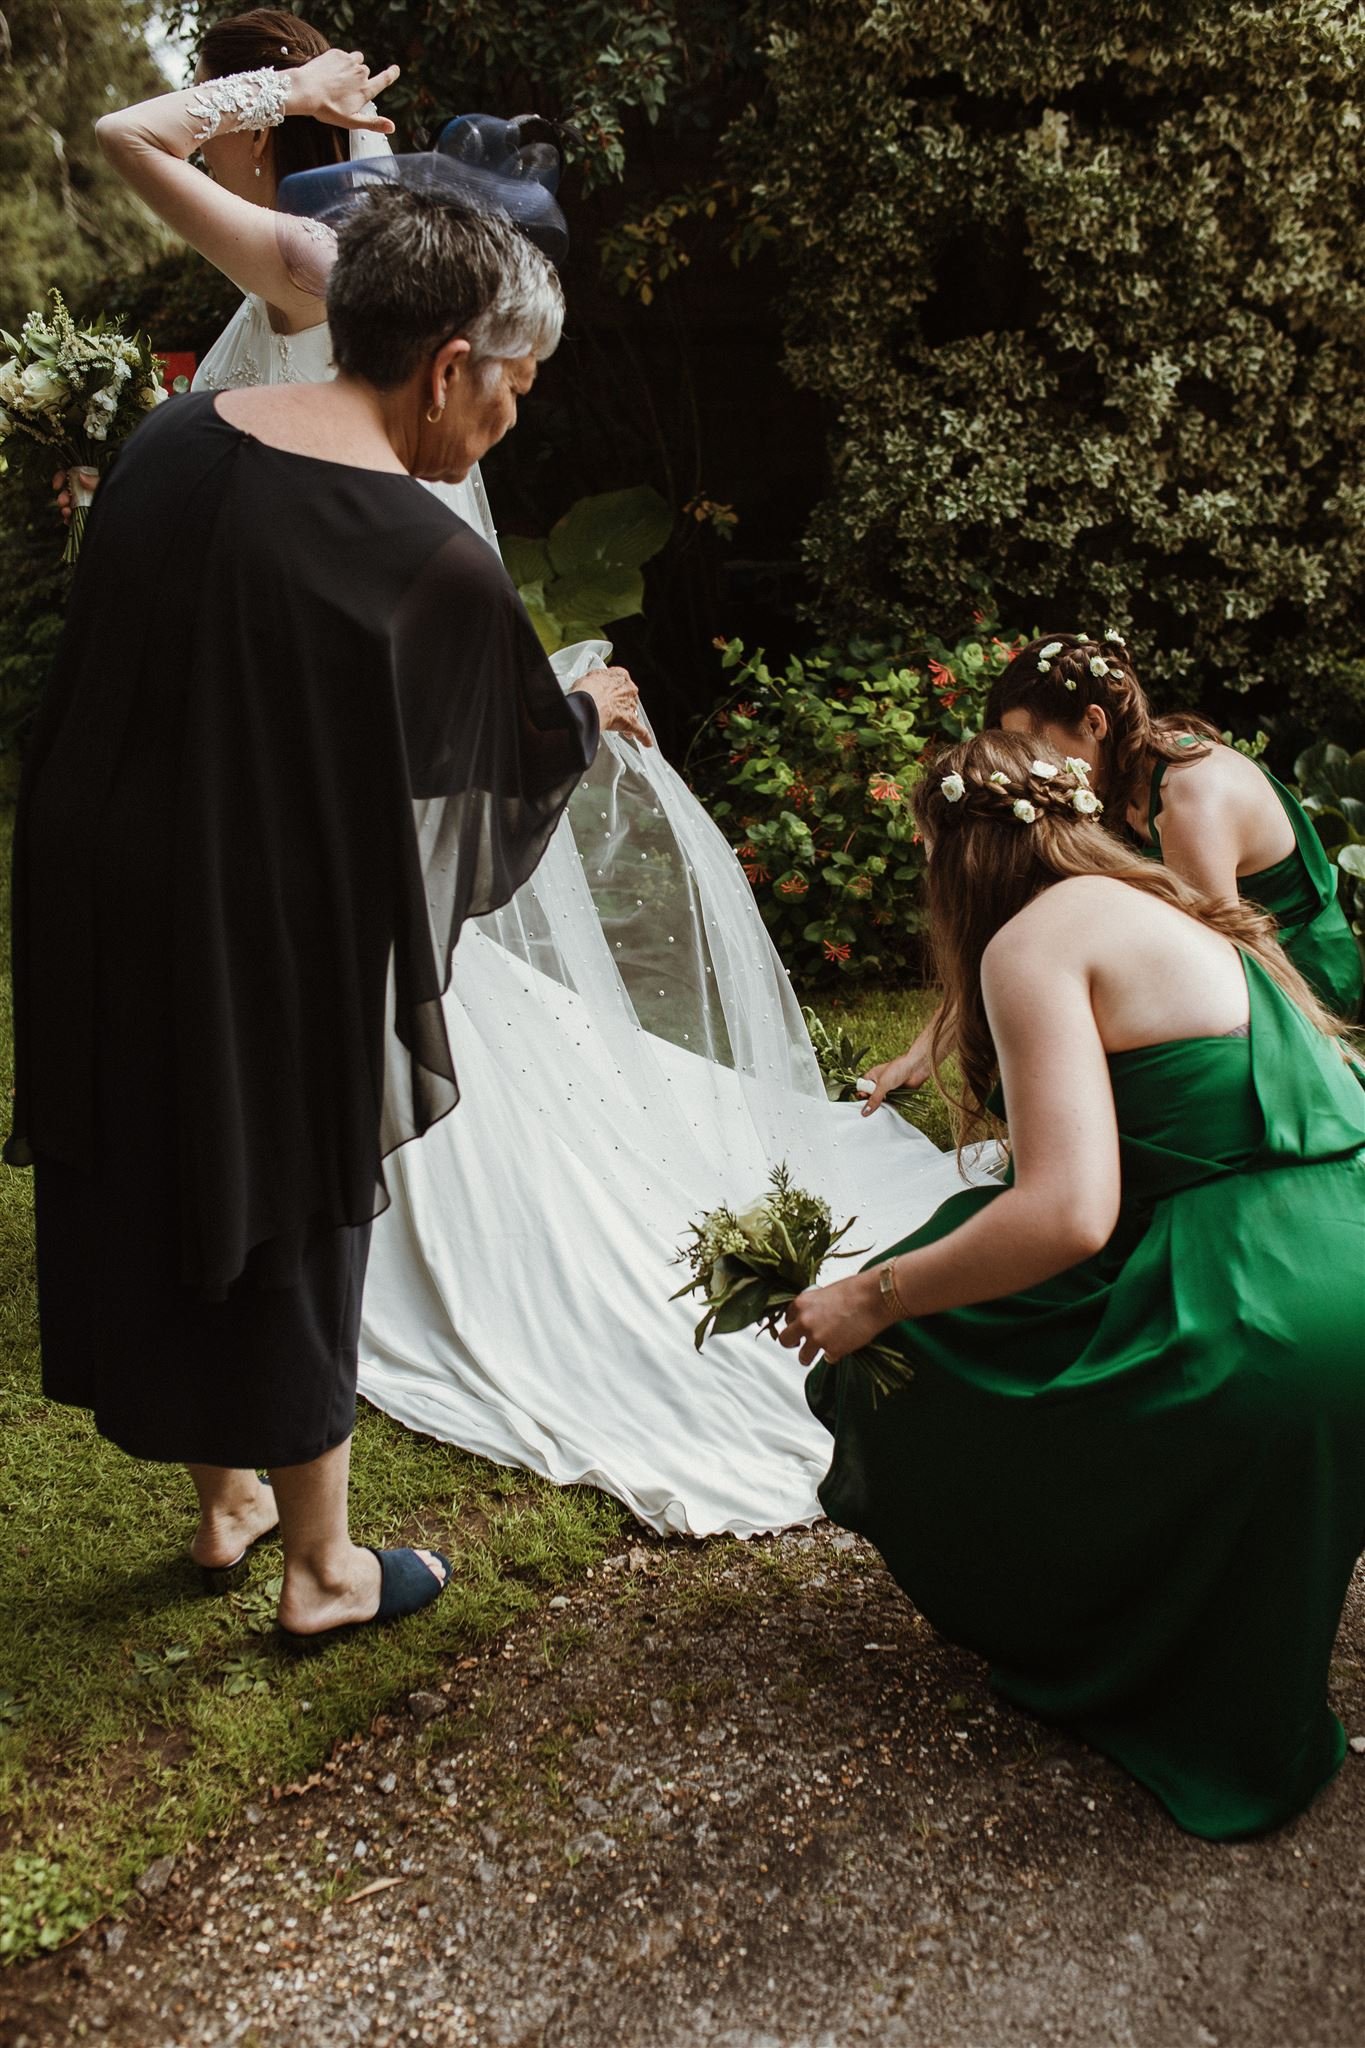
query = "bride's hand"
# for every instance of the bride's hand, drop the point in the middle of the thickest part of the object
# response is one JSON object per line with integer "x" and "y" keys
{"x": 614, "y": 692}
{"x": 837, "y": 1319}
{"x": 338, "y": 87}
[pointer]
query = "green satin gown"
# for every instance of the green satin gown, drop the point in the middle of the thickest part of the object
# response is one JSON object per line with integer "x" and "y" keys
{"x": 1139, "y": 1489}
{"x": 1300, "y": 893}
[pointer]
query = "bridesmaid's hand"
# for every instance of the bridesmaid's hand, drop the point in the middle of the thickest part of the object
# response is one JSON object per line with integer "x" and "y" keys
{"x": 337, "y": 87}
{"x": 837, "y": 1319}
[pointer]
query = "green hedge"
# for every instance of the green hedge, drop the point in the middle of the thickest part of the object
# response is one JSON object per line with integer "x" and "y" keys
{"x": 1084, "y": 289}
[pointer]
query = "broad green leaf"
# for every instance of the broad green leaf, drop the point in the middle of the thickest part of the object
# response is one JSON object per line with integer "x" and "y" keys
{"x": 607, "y": 594}
{"x": 526, "y": 561}
{"x": 619, "y": 529}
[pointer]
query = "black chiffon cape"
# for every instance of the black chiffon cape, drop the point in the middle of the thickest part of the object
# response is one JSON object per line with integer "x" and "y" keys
{"x": 299, "y": 728}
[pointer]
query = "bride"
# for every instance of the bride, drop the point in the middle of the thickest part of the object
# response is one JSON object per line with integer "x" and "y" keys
{"x": 629, "y": 1049}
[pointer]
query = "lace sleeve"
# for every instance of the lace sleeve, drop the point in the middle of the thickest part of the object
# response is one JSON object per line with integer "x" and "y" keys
{"x": 249, "y": 99}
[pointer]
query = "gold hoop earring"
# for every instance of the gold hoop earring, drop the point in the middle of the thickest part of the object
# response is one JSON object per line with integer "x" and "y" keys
{"x": 434, "y": 412}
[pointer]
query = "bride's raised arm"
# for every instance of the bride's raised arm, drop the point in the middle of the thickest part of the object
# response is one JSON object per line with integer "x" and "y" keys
{"x": 227, "y": 216}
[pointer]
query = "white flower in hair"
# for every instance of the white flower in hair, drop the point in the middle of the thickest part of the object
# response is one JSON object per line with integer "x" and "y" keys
{"x": 1045, "y": 668}
{"x": 1117, "y": 674}
{"x": 1024, "y": 810}
{"x": 954, "y": 789}
{"x": 1044, "y": 770}
{"x": 1080, "y": 769}
{"x": 1046, "y": 653}
{"x": 1067, "y": 682}
{"x": 1116, "y": 638}
{"x": 998, "y": 777}
{"x": 1098, "y": 665}
{"x": 1086, "y": 802}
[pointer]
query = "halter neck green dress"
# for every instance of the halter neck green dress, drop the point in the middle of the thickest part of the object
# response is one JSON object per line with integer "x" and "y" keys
{"x": 1139, "y": 1489}
{"x": 1300, "y": 893}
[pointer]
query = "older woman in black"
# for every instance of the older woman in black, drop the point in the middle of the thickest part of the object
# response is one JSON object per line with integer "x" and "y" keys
{"x": 299, "y": 729}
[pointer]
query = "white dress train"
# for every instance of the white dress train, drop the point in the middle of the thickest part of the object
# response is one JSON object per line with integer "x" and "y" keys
{"x": 629, "y": 1053}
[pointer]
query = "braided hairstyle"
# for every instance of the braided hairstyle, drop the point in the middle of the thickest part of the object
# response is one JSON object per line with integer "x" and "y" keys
{"x": 269, "y": 39}
{"x": 1055, "y": 679}
{"x": 1004, "y": 819}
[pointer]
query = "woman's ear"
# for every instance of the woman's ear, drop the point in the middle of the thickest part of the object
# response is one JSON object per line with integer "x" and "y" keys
{"x": 445, "y": 371}
{"x": 1096, "y": 722}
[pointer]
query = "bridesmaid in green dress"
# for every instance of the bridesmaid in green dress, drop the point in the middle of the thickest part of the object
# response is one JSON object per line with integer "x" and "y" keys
{"x": 1130, "y": 1467}
{"x": 1222, "y": 822}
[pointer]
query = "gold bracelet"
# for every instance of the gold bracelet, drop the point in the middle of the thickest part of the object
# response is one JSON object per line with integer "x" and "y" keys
{"x": 890, "y": 1293}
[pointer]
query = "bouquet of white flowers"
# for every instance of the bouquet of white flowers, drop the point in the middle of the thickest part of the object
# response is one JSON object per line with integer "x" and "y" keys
{"x": 749, "y": 1267}
{"x": 77, "y": 391}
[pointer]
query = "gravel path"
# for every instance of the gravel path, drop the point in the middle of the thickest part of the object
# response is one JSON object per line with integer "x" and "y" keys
{"x": 729, "y": 1797}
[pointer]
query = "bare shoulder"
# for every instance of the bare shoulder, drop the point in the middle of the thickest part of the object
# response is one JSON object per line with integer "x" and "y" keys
{"x": 1056, "y": 916}
{"x": 1221, "y": 775}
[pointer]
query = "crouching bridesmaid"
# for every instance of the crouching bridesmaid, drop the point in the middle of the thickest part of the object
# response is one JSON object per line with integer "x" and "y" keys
{"x": 1130, "y": 1467}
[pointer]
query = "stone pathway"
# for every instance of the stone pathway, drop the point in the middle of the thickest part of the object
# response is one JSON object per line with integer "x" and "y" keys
{"x": 729, "y": 1797}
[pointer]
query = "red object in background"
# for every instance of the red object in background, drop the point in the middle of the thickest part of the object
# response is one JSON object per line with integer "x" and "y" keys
{"x": 180, "y": 366}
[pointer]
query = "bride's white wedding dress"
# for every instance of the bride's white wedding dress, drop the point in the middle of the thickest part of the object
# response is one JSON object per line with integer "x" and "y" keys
{"x": 629, "y": 1053}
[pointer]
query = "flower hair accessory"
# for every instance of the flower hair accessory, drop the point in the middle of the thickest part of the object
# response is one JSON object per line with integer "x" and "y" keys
{"x": 1086, "y": 802}
{"x": 1024, "y": 811}
{"x": 1044, "y": 770}
{"x": 1079, "y": 768}
{"x": 1098, "y": 665}
{"x": 953, "y": 788}
{"x": 1002, "y": 779}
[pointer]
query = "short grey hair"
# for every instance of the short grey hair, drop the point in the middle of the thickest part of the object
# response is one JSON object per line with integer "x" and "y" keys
{"x": 414, "y": 269}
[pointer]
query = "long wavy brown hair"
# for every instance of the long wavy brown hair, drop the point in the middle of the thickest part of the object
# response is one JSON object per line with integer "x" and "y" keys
{"x": 987, "y": 862}
{"x": 268, "y": 39}
{"x": 1055, "y": 689}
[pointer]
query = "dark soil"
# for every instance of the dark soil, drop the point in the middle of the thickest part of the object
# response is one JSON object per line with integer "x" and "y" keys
{"x": 729, "y": 1797}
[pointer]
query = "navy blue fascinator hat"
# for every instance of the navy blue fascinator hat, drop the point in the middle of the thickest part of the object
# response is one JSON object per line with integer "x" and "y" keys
{"x": 504, "y": 167}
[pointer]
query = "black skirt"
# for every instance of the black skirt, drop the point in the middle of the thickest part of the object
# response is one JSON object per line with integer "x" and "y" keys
{"x": 266, "y": 1376}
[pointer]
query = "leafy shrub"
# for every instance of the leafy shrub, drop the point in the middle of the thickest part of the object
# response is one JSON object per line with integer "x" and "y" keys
{"x": 1085, "y": 301}
{"x": 586, "y": 574}
{"x": 809, "y": 773}
{"x": 1332, "y": 786}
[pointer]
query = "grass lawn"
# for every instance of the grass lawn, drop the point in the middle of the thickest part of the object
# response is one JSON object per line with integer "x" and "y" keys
{"x": 136, "y": 1715}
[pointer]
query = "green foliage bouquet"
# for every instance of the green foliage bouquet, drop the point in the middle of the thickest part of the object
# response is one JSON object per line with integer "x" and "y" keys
{"x": 843, "y": 1066}
{"x": 749, "y": 1267}
{"x": 77, "y": 392}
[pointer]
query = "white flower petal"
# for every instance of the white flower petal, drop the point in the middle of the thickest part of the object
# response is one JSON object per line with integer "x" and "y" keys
{"x": 1044, "y": 770}
{"x": 1080, "y": 769}
{"x": 1098, "y": 665}
{"x": 998, "y": 777}
{"x": 1046, "y": 653}
{"x": 1024, "y": 811}
{"x": 953, "y": 788}
{"x": 1086, "y": 802}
